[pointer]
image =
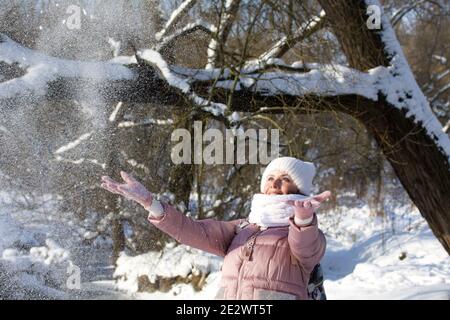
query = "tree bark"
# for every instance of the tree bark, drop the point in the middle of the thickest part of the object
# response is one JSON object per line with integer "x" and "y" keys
{"x": 181, "y": 179}
{"x": 417, "y": 161}
{"x": 422, "y": 168}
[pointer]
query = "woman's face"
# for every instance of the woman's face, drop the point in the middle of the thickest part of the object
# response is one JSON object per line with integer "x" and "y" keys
{"x": 279, "y": 182}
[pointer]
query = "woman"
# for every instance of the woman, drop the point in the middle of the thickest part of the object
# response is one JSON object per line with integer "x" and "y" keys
{"x": 270, "y": 256}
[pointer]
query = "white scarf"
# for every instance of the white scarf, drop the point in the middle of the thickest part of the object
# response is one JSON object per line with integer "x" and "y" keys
{"x": 273, "y": 210}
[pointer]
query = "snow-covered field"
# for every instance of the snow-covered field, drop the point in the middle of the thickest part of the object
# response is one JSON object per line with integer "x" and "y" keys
{"x": 40, "y": 249}
{"x": 396, "y": 257}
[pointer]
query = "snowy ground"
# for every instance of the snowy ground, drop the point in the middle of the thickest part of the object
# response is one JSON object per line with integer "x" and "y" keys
{"x": 367, "y": 258}
{"x": 395, "y": 258}
{"x": 39, "y": 248}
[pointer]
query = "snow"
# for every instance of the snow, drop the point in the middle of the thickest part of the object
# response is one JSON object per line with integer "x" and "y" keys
{"x": 30, "y": 264}
{"x": 447, "y": 126}
{"x": 73, "y": 144}
{"x": 80, "y": 161}
{"x": 274, "y": 51}
{"x": 198, "y": 24}
{"x": 217, "y": 109}
{"x": 443, "y": 74}
{"x": 326, "y": 80}
{"x": 39, "y": 247}
{"x": 440, "y": 91}
{"x": 148, "y": 121}
{"x": 42, "y": 69}
{"x": 155, "y": 57}
{"x": 396, "y": 81}
{"x": 231, "y": 7}
{"x": 123, "y": 60}
{"x": 174, "y": 17}
{"x": 170, "y": 263}
{"x": 115, "y": 46}
{"x": 401, "y": 89}
{"x": 367, "y": 257}
{"x": 211, "y": 53}
{"x": 441, "y": 59}
{"x": 396, "y": 257}
{"x": 113, "y": 115}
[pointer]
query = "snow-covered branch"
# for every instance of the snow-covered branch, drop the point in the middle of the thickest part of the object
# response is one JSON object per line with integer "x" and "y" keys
{"x": 208, "y": 90}
{"x": 323, "y": 81}
{"x": 223, "y": 29}
{"x": 146, "y": 122}
{"x": 175, "y": 17}
{"x": 287, "y": 42}
{"x": 435, "y": 77}
{"x": 440, "y": 92}
{"x": 401, "y": 89}
{"x": 80, "y": 161}
{"x": 320, "y": 79}
{"x": 441, "y": 75}
{"x": 113, "y": 115}
{"x": 442, "y": 60}
{"x": 155, "y": 59}
{"x": 188, "y": 29}
{"x": 42, "y": 69}
{"x": 74, "y": 144}
{"x": 447, "y": 126}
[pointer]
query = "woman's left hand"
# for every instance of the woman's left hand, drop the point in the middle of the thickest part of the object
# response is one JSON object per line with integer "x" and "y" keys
{"x": 305, "y": 209}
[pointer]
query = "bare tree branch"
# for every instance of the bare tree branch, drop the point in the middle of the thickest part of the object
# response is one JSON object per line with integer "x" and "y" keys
{"x": 440, "y": 92}
{"x": 305, "y": 31}
{"x": 400, "y": 13}
{"x": 404, "y": 10}
{"x": 447, "y": 126}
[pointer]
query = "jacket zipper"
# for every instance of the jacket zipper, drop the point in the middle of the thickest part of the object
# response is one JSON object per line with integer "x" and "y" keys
{"x": 248, "y": 250}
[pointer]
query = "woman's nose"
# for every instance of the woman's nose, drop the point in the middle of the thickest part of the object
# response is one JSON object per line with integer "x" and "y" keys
{"x": 276, "y": 183}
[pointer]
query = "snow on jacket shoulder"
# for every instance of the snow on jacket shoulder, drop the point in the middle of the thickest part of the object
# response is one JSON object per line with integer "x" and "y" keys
{"x": 272, "y": 263}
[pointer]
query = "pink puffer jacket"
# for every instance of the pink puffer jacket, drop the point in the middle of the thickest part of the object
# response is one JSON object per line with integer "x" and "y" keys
{"x": 274, "y": 263}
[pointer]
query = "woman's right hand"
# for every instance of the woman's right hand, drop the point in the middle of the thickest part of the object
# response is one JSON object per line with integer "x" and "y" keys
{"x": 131, "y": 189}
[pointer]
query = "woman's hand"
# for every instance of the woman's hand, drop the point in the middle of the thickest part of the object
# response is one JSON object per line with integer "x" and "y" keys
{"x": 131, "y": 189}
{"x": 304, "y": 210}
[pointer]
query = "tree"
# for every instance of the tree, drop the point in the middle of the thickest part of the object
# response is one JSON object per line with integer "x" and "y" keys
{"x": 375, "y": 86}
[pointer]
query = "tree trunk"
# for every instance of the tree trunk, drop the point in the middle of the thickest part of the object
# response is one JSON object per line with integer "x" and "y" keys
{"x": 422, "y": 168}
{"x": 181, "y": 178}
{"x": 117, "y": 233}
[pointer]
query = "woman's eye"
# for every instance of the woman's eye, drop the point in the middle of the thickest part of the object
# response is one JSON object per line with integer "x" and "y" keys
{"x": 286, "y": 179}
{"x": 270, "y": 179}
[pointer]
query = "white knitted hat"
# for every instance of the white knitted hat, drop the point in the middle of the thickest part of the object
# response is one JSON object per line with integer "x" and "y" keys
{"x": 301, "y": 172}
